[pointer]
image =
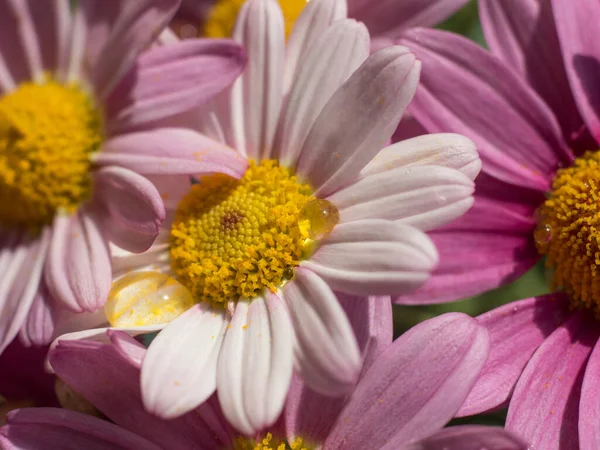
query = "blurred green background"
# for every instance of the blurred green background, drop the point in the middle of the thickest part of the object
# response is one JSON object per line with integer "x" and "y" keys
{"x": 466, "y": 22}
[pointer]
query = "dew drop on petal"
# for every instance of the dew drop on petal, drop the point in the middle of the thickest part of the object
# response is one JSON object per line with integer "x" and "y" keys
{"x": 146, "y": 298}
{"x": 318, "y": 218}
{"x": 542, "y": 234}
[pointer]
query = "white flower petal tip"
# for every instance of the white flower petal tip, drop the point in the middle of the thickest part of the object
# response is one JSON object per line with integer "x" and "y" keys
{"x": 441, "y": 149}
{"x": 374, "y": 257}
{"x": 180, "y": 366}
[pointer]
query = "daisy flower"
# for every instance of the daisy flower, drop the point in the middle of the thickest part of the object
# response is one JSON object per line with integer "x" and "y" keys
{"x": 537, "y": 198}
{"x": 322, "y": 209}
{"x": 393, "y": 406}
{"x": 73, "y": 89}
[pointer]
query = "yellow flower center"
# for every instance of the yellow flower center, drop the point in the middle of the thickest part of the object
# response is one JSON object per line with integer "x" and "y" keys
{"x": 568, "y": 231}
{"x": 222, "y": 16}
{"x": 47, "y": 133}
{"x": 146, "y": 298}
{"x": 233, "y": 239}
{"x": 270, "y": 443}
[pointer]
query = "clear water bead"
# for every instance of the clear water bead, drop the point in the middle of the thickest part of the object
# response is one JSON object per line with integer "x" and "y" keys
{"x": 146, "y": 298}
{"x": 318, "y": 218}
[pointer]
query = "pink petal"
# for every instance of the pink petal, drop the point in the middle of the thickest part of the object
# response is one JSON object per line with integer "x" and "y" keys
{"x": 172, "y": 79}
{"x": 179, "y": 371}
{"x": 441, "y": 149}
{"x": 358, "y": 119}
{"x": 491, "y": 245}
{"x": 29, "y": 39}
{"x": 522, "y": 33}
{"x": 327, "y": 356}
{"x": 545, "y": 404}
{"x": 22, "y": 259}
{"x": 78, "y": 271}
{"x": 403, "y": 404}
{"x": 465, "y": 87}
{"x": 314, "y": 21}
{"x": 135, "y": 27}
{"x": 589, "y": 408}
{"x": 331, "y": 60}
{"x": 516, "y": 331}
{"x": 390, "y": 17}
{"x": 170, "y": 151}
{"x": 38, "y": 328}
{"x": 127, "y": 347}
{"x": 310, "y": 414}
{"x": 376, "y": 257}
{"x": 470, "y": 437}
{"x": 425, "y": 197}
{"x": 133, "y": 205}
{"x": 14, "y": 67}
{"x": 65, "y": 430}
{"x": 255, "y": 364}
{"x": 578, "y": 36}
{"x": 104, "y": 377}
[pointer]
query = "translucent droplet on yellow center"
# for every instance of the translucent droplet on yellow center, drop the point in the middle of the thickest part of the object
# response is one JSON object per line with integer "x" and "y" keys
{"x": 221, "y": 18}
{"x": 569, "y": 231}
{"x": 48, "y": 132}
{"x": 268, "y": 442}
{"x": 233, "y": 239}
{"x": 146, "y": 298}
{"x": 318, "y": 218}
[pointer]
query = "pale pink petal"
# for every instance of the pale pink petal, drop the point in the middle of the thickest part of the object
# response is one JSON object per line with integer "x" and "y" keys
{"x": 78, "y": 271}
{"x": 325, "y": 67}
{"x": 327, "y": 355}
{"x": 22, "y": 259}
{"x": 173, "y": 79}
{"x": 134, "y": 209}
{"x": 135, "y": 27}
{"x": 578, "y": 36}
{"x": 29, "y": 39}
{"x": 390, "y": 17}
{"x": 470, "y": 437}
{"x": 74, "y": 65}
{"x": 179, "y": 371}
{"x": 589, "y": 407}
{"x": 516, "y": 331}
{"x": 376, "y": 257}
{"x": 441, "y": 149}
{"x": 462, "y": 82}
{"x": 310, "y": 414}
{"x": 359, "y": 119}
{"x": 14, "y": 67}
{"x": 61, "y": 429}
{"x": 156, "y": 258}
{"x": 316, "y": 17}
{"x": 255, "y": 364}
{"x": 544, "y": 409}
{"x": 38, "y": 328}
{"x": 406, "y": 404}
{"x": 523, "y": 34}
{"x": 170, "y": 151}
{"x": 425, "y": 197}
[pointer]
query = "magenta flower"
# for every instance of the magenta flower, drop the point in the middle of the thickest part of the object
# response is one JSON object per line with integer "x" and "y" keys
{"x": 393, "y": 406}
{"x": 532, "y": 111}
{"x": 73, "y": 92}
{"x": 324, "y": 211}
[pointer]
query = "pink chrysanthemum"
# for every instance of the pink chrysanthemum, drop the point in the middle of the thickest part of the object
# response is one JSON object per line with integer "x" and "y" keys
{"x": 406, "y": 393}
{"x": 265, "y": 258}
{"x": 73, "y": 91}
{"x": 532, "y": 110}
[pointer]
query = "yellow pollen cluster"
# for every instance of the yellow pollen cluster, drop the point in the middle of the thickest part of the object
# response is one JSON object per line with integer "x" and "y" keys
{"x": 47, "y": 133}
{"x": 222, "y": 16}
{"x": 270, "y": 443}
{"x": 568, "y": 231}
{"x": 233, "y": 239}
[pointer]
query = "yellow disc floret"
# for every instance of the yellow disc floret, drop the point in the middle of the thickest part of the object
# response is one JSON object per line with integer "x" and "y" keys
{"x": 221, "y": 18}
{"x": 568, "y": 231}
{"x": 270, "y": 443}
{"x": 47, "y": 134}
{"x": 233, "y": 239}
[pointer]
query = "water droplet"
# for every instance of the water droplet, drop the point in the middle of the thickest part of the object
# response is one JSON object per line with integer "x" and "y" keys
{"x": 318, "y": 218}
{"x": 542, "y": 234}
{"x": 146, "y": 298}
